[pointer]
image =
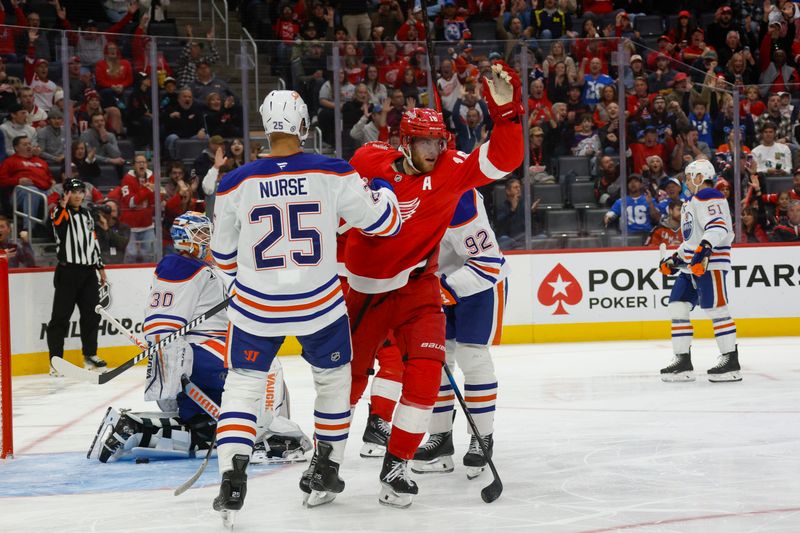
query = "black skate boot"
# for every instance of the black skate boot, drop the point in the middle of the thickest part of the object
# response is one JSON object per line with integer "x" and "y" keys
{"x": 324, "y": 482}
{"x": 436, "y": 455}
{"x": 232, "y": 490}
{"x": 679, "y": 369}
{"x": 278, "y": 449}
{"x": 124, "y": 428}
{"x": 92, "y": 361}
{"x": 376, "y": 436}
{"x": 727, "y": 368}
{"x": 397, "y": 487}
{"x": 474, "y": 460}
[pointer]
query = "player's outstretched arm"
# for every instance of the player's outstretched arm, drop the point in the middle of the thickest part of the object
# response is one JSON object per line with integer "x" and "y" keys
{"x": 370, "y": 205}
{"x": 225, "y": 236}
{"x": 503, "y": 152}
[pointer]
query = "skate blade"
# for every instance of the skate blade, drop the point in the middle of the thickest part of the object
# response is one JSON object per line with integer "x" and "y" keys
{"x": 474, "y": 471}
{"x": 440, "y": 465}
{"x": 368, "y": 449}
{"x": 727, "y": 376}
{"x": 390, "y": 498}
{"x": 228, "y": 518}
{"x": 678, "y": 377}
{"x": 317, "y": 498}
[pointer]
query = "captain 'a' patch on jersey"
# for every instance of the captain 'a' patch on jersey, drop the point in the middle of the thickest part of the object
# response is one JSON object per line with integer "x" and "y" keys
{"x": 275, "y": 233}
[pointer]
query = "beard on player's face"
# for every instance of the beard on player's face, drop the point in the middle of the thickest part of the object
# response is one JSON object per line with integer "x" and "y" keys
{"x": 424, "y": 154}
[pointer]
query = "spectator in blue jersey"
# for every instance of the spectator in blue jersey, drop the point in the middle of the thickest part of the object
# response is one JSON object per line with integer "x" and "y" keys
{"x": 552, "y": 23}
{"x": 674, "y": 193}
{"x": 594, "y": 81}
{"x": 641, "y": 211}
{"x": 701, "y": 121}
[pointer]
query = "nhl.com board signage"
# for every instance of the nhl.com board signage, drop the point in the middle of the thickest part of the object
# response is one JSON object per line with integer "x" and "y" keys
{"x": 553, "y": 296}
{"x": 583, "y": 295}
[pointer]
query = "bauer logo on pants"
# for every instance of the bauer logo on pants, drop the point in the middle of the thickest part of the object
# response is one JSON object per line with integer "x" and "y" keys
{"x": 560, "y": 287}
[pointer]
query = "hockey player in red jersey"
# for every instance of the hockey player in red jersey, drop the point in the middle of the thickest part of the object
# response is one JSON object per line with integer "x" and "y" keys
{"x": 393, "y": 286}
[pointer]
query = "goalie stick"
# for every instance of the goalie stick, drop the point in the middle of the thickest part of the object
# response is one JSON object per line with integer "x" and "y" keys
{"x": 76, "y": 372}
{"x": 493, "y": 490}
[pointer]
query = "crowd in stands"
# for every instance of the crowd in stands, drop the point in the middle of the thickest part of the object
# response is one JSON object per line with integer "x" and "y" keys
{"x": 681, "y": 63}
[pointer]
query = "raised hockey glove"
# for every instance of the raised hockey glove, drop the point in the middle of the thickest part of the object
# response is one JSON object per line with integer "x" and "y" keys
{"x": 503, "y": 92}
{"x": 699, "y": 263}
{"x": 449, "y": 296}
{"x": 669, "y": 265}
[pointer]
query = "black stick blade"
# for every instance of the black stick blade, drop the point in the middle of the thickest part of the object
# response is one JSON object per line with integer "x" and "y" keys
{"x": 492, "y": 491}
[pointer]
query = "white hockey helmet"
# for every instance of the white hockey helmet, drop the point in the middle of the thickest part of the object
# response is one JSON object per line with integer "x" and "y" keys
{"x": 700, "y": 170}
{"x": 285, "y": 112}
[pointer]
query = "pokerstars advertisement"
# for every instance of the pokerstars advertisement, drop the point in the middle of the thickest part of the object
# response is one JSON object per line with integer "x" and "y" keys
{"x": 626, "y": 286}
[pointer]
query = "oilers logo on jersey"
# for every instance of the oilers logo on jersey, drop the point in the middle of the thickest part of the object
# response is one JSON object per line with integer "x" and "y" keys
{"x": 688, "y": 223}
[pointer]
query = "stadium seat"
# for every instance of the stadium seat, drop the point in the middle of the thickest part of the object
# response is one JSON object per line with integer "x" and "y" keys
{"x": 619, "y": 242}
{"x": 499, "y": 194}
{"x": 581, "y": 194}
{"x": 163, "y": 29}
{"x": 190, "y": 148}
{"x": 109, "y": 177}
{"x": 545, "y": 243}
{"x": 593, "y": 221}
{"x": 706, "y": 19}
{"x": 577, "y": 24}
{"x": 577, "y": 164}
{"x": 127, "y": 149}
{"x": 562, "y": 222}
{"x": 550, "y": 196}
{"x": 584, "y": 242}
{"x": 648, "y": 25}
{"x": 778, "y": 184}
{"x": 483, "y": 31}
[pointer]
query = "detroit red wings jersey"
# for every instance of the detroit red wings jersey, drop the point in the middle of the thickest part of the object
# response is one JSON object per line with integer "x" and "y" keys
{"x": 469, "y": 254}
{"x": 427, "y": 203}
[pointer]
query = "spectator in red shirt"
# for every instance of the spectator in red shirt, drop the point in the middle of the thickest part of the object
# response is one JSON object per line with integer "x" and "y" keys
{"x": 8, "y": 34}
{"x": 113, "y": 75}
{"x": 136, "y": 196}
{"x": 751, "y": 229}
{"x": 414, "y": 20}
{"x": 789, "y": 230}
{"x": 649, "y": 146}
{"x": 538, "y": 103}
{"x": 24, "y": 168}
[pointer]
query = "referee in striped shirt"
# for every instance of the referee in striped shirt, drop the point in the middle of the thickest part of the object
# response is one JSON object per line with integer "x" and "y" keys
{"x": 75, "y": 278}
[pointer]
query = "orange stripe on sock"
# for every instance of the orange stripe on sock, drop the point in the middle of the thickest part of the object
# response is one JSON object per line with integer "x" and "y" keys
{"x": 721, "y": 326}
{"x": 481, "y": 398}
{"x": 237, "y": 427}
{"x": 675, "y": 328}
{"x": 720, "y": 289}
{"x": 501, "y": 300}
{"x": 332, "y": 427}
{"x": 446, "y": 398}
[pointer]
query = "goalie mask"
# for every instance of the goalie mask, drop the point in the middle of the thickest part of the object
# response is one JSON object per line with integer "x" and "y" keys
{"x": 422, "y": 125}
{"x": 191, "y": 233}
{"x": 698, "y": 172}
{"x": 285, "y": 112}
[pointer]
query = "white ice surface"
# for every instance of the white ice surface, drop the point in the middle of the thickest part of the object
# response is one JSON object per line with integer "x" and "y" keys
{"x": 587, "y": 439}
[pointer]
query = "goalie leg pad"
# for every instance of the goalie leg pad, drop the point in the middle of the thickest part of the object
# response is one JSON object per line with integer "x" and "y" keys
{"x": 236, "y": 427}
{"x": 480, "y": 384}
{"x": 123, "y": 431}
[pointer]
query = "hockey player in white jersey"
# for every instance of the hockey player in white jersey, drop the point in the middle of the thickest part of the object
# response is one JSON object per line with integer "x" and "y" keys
{"x": 473, "y": 276}
{"x": 185, "y": 286}
{"x": 703, "y": 262}
{"x": 275, "y": 236}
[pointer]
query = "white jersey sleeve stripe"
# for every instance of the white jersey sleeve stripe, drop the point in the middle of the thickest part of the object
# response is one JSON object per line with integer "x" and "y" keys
{"x": 486, "y": 166}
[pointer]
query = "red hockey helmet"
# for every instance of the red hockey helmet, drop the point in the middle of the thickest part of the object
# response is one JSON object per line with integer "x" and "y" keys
{"x": 421, "y": 122}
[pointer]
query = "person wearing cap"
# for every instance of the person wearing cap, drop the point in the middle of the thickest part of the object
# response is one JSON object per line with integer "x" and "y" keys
{"x": 371, "y": 126}
{"x": 192, "y": 54}
{"x": 665, "y": 46}
{"x": 25, "y": 168}
{"x": 673, "y": 189}
{"x": 683, "y": 28}
{"x": 636, "y": 70}
{"x": 717, "y": 31}
{"x": 77, "y": 83}
{"x": 16, "y": 126}
{"x": 778, "y": 76}
{"x": 696, "y": 47}
{"x": 640, "y": 210}
{"x": 36, "y": 77}
{"x": 414, "y": 19}
{"x": 206, "y": 83}
{"x": 688, "y": 148}
{"x": 663, "y": 77}
{"x": 76, "y": 276}
{"x": 52, "y": 138}
{"x": 668, "y": 230}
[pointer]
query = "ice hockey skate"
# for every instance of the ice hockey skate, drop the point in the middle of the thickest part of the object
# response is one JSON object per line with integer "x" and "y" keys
{"x": 122, "y": 427}
{"x": 376, "y": 436}
{"x": 726, "y": 369}
{"x": 94, "y": 362}
{"x": 232, "y": 491}
{"x": 436, "y": 455}
{"x": 397, "y": 487}
{"x": 277, "y": 449}
{"x": 679, "y": 369}
{"x": 321, "y": 481}
{"x": 474, "y": 459}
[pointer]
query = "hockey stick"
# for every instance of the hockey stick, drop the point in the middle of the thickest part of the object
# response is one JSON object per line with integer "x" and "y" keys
{"x": 192, "y": 480}
{"x": 114, "y": 322}
{"x": 492, "y": 491}
{"x": 200, "y": 398}
{"x": 76, "y": 372}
